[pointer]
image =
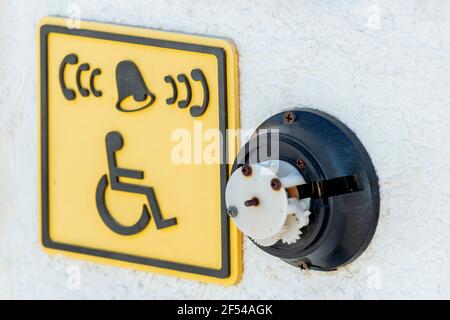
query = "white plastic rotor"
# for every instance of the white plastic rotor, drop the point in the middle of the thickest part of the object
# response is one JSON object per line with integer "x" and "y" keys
{"x": 265, "y": 204}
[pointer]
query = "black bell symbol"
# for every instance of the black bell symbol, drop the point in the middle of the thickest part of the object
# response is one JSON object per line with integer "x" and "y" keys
{"x": 132, "y": 91}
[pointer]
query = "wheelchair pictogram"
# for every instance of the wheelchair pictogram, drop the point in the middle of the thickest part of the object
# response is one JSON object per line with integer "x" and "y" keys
{"x": 114, "y": 142}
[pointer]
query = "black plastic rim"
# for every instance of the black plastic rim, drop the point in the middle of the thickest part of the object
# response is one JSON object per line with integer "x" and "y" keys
{"x": 341, "y": 227}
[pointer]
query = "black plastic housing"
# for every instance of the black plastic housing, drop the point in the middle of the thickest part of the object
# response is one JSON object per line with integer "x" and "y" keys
{"x": 322, "y": 147}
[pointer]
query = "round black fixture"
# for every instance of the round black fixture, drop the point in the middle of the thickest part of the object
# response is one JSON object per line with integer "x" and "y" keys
{"x": 322, "y": 161}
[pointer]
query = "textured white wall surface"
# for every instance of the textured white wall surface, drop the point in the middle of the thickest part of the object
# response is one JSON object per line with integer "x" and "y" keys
{"x": 381, "y": 67}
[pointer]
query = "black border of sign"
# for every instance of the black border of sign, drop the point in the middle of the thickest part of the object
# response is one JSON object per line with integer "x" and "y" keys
{"x": 224, "y": 271}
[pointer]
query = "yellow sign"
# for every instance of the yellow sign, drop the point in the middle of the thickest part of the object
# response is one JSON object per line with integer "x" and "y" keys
{"x": 116, "y": 105}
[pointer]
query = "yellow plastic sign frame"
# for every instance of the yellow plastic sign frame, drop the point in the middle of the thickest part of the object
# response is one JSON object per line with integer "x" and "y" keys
{"x": 69, "y": 223}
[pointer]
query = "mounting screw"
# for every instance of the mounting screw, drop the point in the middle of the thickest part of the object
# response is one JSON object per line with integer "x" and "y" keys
{"x": 301, "y": 164}
{"x": 232, "y": 211}
{"x": 289, "y": 117}
{"x": 275, "y": 183}
{"x": 303, "y": 265}
{"x": 246, "y": 170}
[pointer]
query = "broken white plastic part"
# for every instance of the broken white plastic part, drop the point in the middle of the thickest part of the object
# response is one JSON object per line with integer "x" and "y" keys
{"x": 276, "y": 214}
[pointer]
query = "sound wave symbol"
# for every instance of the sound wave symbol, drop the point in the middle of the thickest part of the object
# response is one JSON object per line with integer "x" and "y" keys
{"x": 196, "y": 75}
{"x": 70, "y": 94}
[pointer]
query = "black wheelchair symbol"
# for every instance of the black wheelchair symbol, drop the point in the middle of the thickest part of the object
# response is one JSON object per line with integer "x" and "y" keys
{"x": 114, "y": 142}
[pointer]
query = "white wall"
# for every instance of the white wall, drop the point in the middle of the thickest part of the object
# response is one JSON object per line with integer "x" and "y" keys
{"x": 382, "y": 67}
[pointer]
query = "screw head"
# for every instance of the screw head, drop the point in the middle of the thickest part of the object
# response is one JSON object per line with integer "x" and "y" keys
{"x": 246, "y": 170}
{"x": 289, "y": 117}
{"x": 303, "y": 265}
{"x": 232, "y": 211}
{"x": 275, "y": 184}
{"x": 301, "y": 164}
